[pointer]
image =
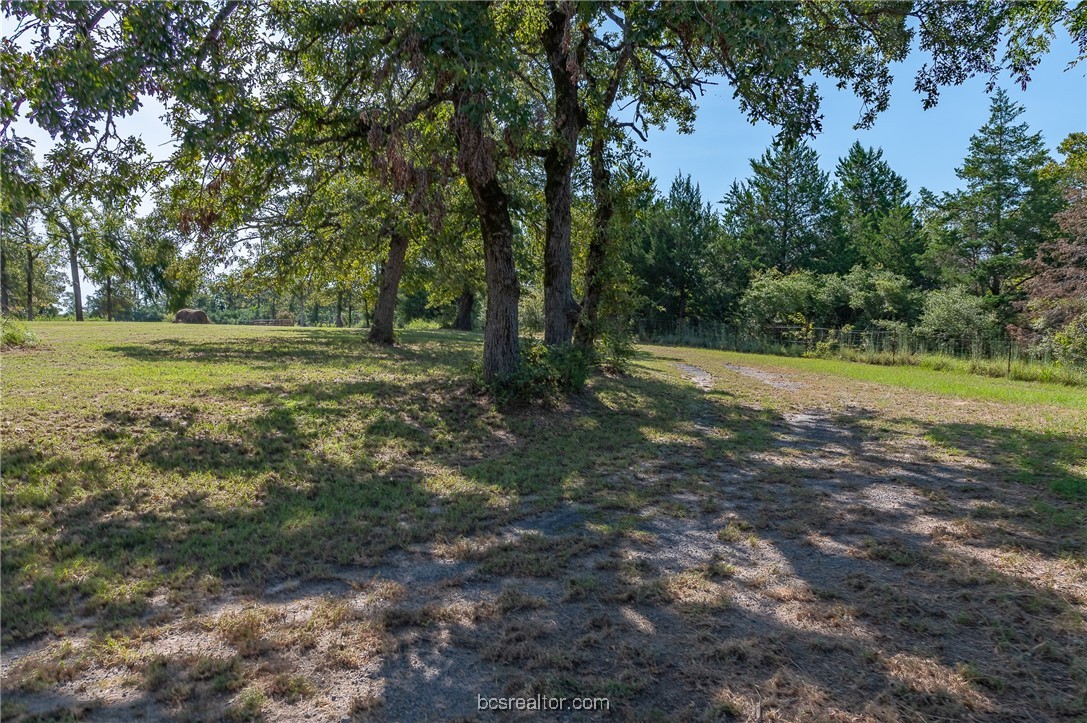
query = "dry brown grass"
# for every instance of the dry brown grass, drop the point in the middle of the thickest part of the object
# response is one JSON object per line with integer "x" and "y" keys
{"x": 837, "y": 551}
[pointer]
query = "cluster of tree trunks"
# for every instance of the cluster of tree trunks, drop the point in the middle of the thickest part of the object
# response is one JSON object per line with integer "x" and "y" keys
{"x": 563, "y": 314}
{"x": 560, "y": 308}
{"x": 595, "y": 264}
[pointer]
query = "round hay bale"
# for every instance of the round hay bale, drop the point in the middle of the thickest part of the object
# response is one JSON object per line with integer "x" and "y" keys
{"x": 191, "y": 316}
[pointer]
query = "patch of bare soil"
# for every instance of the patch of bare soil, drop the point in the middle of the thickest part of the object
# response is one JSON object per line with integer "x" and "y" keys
{"x": 836, "y": 576}
{"x": 701, "y": 378}
{"x": 777, "y": 381}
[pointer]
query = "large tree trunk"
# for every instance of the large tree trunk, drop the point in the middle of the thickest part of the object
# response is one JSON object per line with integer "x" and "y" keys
{"x": 465, "y": 307}
{"x": 560, "y": 308}
{"x": 29, "y": 284}
{"x": 77, "y": 294}
{"x": 339, "y": 308}
{"x": 501, "y": 352}
{"x": 385, "y": 308}
{"x": 109, "y": 299}
{"x": 588, "y": 327}
{"x": 475, "y": 156}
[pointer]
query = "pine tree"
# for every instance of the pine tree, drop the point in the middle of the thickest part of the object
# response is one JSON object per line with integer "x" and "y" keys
{"x": 874, "y": 213}
{"x": 782, "y": 215}
{"x": 677, "y": 236}
{"x": 995, "y": 225}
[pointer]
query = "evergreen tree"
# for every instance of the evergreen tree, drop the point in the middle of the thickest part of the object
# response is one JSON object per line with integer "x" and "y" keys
{"x": 676, "y": 239}
{"x": 1056, "y": 303}
{"x": 874, "y": 213}
{"x": 782, "y": 215}
{"x": 995, "y": 225}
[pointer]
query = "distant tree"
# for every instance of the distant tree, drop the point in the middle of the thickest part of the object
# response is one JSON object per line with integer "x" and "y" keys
{"x": 1056, "y": 303}
{"x": 677, "y": 236}
{"x": 879, "y": 295}
{"x": 874, "y": 213}
{"x": 994, "y": 226}
{"x": 32, "y": 282}
{"x": 955, "y": 315}
{"x": 774, "y": 297}
{"x": 782, "y": 215}
{"x": 67, "y": 223}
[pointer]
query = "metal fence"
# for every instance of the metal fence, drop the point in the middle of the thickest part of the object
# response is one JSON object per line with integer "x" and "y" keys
{"x": 798, "y": 340}
{"x": 272, "y": 322}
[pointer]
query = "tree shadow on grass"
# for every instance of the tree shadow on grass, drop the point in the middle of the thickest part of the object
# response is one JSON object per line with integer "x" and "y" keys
{"x": 843, "y": 594}
{"x": 257, "y": 498}
{"x": 838, "y": 602}
{"x": 1054, "y": 461}
{"x": 305, "y": 346}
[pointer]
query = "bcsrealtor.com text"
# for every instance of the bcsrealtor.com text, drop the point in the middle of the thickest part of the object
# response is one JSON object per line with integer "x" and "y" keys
{"x": 542, "y": 703}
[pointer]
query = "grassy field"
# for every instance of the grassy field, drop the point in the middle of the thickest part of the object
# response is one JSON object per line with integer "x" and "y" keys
{"x": 242, "y": 522}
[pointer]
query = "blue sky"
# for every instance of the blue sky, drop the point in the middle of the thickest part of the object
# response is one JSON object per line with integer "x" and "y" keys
{"x": 925, "y": 146}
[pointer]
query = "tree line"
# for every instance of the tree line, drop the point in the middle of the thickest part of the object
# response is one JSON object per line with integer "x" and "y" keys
{"x": 337, "y": 145}
{"x": 794, "y": 245}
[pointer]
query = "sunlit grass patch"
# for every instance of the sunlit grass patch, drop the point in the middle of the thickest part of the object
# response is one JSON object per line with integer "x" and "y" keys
{"x": 234, "y": 522}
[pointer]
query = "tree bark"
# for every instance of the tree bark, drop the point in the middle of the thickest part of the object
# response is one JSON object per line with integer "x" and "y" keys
{"x": 350, "y": 309}
{"x": 339, "y": 308}
{"x": 560, "y": 308}
{"x": 385, "y": 308}
{"x": 29, "y": 284}
{"x": 465, "y": 306}
{"x": 316, "y": 312}
{"x": 77, "y": 294}
{"x": 588, "y": 327}
{"x": 475, "y": 156}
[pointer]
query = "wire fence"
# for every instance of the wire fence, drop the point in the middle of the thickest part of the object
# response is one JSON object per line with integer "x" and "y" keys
{"x": 797, "y": 339}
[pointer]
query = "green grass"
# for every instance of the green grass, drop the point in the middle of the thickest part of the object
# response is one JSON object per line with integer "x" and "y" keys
{"x": 951, "y": 383}
{"x": 175, "y": 457}
{"x": 161, "y": 478}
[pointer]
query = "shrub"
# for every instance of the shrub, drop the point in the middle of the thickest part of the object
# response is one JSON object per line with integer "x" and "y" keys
{"x": 1069, "y": 344}
{"x": 530, "y": 310}
{"x": 616, "y": 346}
{"x": 141, "y": 314}
{"x": 876, "y": 294}
{"x": 421, "y": 325}
{"x": 777, "y": 298}
{"x": 546, "y": 374}
{"x": 954, "y": 314}
{"x": 15, "y": 333}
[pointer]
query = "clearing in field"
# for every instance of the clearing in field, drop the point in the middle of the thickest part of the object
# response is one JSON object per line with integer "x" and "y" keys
{"x": 210, "y": 522}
